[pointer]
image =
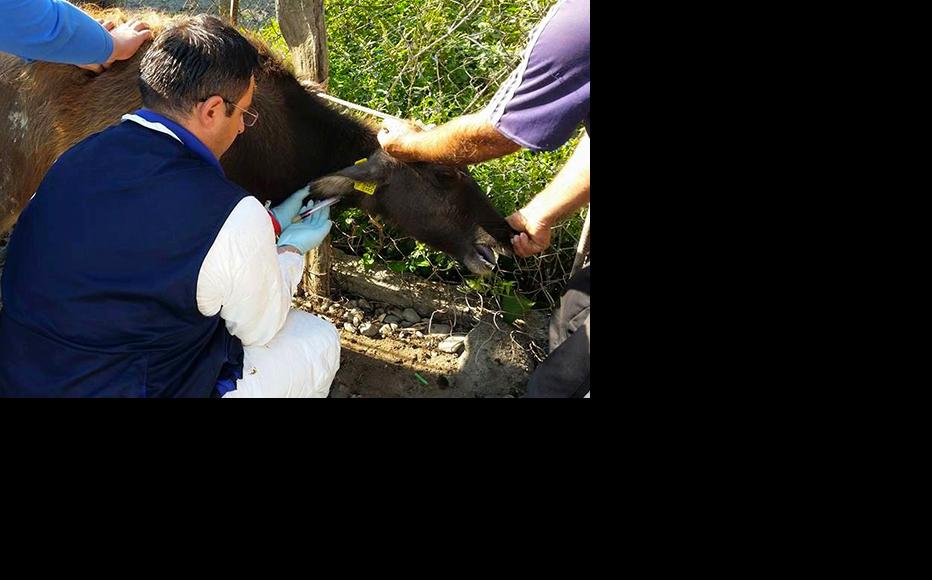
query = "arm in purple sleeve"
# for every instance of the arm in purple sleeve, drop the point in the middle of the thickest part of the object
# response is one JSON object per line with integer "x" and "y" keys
{"x": 54, "y": 31}
{"x": 547, "y": 95}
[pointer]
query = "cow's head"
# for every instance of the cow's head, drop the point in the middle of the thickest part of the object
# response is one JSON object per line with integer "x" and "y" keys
{"x": 439, "y": 205}
{"x": 301, "y": 138}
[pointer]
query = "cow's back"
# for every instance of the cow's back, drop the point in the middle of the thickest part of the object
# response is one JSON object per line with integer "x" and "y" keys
{"x": 23, "y": 137}
{"x": 45, "y": 108}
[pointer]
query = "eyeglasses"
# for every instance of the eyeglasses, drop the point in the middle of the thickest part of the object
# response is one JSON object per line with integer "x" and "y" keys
{"x": 250, "y": 115}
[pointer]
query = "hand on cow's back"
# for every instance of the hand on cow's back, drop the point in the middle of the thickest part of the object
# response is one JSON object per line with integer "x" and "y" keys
{"x": 127, "y": 39}
{"x": 392, "y": 135}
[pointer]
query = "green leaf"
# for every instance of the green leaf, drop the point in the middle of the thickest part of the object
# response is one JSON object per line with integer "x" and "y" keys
{"x": 515, "y": 306}
{"x": 475, "y": 284}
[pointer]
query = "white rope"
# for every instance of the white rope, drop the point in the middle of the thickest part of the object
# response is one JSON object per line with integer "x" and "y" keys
{"x": 350, "y": 105}
{"x": 369, "y": 111}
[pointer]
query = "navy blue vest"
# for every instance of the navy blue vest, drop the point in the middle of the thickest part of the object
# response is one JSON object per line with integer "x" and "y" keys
{"x": 99, "y": 289}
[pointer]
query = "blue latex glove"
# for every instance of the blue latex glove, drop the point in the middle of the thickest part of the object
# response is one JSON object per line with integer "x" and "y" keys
{"x": 308, "y": 233}
{"x": 286, "y": 210}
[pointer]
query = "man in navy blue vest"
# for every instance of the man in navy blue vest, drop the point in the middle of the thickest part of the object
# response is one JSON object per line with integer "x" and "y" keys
{"x": 539, "y": 108}
{"x": 139, "y": 270}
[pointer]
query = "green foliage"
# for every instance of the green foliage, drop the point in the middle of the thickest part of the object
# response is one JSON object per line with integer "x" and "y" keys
{"x": 508, "y": 299}
{"x": 433, "y": 59}
{"x": 272, "y": 35}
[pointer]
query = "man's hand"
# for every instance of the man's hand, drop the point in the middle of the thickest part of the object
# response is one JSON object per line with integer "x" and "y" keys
{"x": 308, "y": 233}
{"x": 534, "y": 237}
{"x": 286, "y": 210}
{"x": 393, "y": 133}
{"x": 127, "y": 38}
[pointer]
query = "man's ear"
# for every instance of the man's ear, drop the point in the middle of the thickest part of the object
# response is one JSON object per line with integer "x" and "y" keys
{"x": 208, "y": 111}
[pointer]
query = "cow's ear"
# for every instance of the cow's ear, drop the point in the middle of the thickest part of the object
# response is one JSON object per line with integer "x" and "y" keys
{"x": 375, "y": 168}
{"x": 343, "y": 181}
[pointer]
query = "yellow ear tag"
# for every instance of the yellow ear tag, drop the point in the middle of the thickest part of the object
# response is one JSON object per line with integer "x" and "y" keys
{"x": 365, "y": 186}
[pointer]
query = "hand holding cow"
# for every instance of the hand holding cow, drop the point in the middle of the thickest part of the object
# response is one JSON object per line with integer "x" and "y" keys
{"x": 127, "y": 38}
{"x": 60, "y": 32}
{"x": 534, "y": 237}
{"x": 393, "y": 133}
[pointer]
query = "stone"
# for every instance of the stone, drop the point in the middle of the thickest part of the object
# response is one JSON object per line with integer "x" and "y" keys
{"x": 368, "y": 329}
{"x": 411, "y": 315}
{"x": 452, "y": 344}
{"x": 437, "y": 328}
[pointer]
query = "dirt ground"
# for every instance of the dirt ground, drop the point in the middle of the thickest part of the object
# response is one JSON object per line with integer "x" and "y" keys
{"x": 390, "y": 368}
{"x": 401, "y": 363}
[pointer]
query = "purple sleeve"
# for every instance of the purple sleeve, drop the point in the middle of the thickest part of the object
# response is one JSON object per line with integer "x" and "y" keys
{"x": 547, "y": 95}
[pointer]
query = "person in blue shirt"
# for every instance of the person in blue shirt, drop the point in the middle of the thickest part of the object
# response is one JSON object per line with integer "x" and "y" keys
{"x": 57, "y": 31}
{"x": 538, "y": 108}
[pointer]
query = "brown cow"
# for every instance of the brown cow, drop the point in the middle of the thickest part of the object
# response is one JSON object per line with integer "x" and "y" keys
{"x": 46, "y": 108}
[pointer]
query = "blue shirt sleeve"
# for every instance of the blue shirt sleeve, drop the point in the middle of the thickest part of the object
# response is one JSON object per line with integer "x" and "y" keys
{"x": 547, "y": 95}
{"x": 54, "y": 31}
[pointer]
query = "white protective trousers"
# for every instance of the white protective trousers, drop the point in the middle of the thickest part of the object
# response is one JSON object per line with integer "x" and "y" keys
{"x": 300, "y": 361}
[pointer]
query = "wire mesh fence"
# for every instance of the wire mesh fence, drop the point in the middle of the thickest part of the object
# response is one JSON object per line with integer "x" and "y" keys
{"x": 253, "y": 14}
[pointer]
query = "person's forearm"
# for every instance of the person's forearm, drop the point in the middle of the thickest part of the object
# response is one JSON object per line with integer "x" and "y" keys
{"x": 568, "y": 191}
{"x": 53, "y": 31}
{"x": 463, "y": 141}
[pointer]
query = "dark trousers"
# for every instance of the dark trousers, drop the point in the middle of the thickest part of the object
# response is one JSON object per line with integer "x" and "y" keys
{"x": 565, "y": 371}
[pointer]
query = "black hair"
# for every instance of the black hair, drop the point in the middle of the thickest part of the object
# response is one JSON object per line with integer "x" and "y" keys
{"x": 193, "y": 60}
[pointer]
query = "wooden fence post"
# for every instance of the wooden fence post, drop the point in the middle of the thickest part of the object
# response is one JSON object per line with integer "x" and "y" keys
{"x": 234, "y": 11}
{"x": 303, "y": 26}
